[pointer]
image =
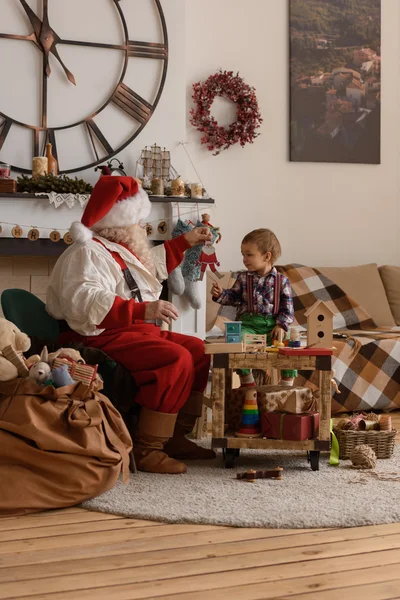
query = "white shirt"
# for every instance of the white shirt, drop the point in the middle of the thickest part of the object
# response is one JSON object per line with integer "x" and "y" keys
{"x": 86, "y": 279}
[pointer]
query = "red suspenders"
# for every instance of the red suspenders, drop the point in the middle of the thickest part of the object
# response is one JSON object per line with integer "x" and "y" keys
{"x": 133, "y": 286}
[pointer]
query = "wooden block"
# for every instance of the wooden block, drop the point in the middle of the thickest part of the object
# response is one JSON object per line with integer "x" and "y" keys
{"x": 223, "y": 348}
{"x": 306, "y": 351}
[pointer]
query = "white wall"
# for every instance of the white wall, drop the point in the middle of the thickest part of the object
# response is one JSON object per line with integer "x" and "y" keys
{"x": 323, "y": 214}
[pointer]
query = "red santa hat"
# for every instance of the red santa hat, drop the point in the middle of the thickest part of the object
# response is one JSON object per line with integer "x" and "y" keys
{"x": 114, "y": 202}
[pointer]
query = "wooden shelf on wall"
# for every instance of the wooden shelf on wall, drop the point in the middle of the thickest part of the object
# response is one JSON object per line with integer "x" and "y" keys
{"x": 24, "y": 196}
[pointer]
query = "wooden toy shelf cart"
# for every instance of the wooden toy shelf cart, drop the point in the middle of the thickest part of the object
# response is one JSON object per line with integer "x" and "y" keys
{"x": 222, "y": 386}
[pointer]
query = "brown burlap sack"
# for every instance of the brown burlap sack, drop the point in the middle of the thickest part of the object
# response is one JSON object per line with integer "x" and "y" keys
{"x": 58, "y": 447}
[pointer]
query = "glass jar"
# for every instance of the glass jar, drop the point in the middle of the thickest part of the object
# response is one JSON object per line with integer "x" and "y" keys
{"x": 5, "y": 171}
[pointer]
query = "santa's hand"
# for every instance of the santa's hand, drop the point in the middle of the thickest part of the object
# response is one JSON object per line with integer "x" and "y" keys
{"x": 198, "y": 235}
{"x": 161, "y": 310}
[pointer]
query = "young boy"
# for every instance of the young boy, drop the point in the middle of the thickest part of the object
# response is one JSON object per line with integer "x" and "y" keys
{"x": 254, "y": 292}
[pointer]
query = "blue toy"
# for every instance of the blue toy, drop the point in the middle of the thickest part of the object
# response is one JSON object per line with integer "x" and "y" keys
{"x": 233, "y": 332}
{"x": 60, "y": 377}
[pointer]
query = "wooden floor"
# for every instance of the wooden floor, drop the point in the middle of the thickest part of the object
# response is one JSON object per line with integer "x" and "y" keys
{"x": 77, "y": 554}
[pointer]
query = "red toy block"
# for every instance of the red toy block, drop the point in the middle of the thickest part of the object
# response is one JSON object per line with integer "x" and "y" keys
{"x": 306, "y": 351}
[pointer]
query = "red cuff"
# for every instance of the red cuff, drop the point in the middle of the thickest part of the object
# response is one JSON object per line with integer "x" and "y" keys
{"x": 174, "y": 250}
{"x": 123, "y": 313}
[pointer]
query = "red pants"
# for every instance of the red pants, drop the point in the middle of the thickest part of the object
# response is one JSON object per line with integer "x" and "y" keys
{"x": 166, "y": 366}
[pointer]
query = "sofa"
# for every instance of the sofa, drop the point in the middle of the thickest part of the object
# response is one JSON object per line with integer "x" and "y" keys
{"x": 366, "y": 302}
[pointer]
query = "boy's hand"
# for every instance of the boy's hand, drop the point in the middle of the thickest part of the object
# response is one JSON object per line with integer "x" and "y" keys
{"x": 278, "y": 333}
{"x": 216, "y": 290}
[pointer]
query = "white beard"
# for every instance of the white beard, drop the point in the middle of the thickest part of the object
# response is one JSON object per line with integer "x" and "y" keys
{"x": 135, "y": 237}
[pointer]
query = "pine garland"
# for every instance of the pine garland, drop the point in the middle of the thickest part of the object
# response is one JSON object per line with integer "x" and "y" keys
{"x": 51, "y": 183}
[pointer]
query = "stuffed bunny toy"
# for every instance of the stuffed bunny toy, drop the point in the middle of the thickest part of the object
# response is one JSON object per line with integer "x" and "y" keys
{"x": 41, "y": 370}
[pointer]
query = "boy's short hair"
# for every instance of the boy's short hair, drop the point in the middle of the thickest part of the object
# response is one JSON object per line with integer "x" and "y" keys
{"x": 266, "y": 241}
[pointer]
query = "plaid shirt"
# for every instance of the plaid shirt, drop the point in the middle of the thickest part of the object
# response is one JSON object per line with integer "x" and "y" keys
{"x": 263, "y": 297}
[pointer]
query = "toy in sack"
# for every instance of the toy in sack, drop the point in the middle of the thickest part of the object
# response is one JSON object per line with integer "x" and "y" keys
{"x": 78, "y": 372}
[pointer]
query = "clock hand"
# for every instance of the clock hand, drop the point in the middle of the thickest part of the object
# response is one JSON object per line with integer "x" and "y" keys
{"x": 46, "y": 37}
{"x": 34, "y": 19}
{"x": 30, "y": 38}
{"x": 71, "y": 78}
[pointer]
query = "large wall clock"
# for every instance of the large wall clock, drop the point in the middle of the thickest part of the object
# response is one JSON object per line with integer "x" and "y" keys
{"x": 58, "y": 40}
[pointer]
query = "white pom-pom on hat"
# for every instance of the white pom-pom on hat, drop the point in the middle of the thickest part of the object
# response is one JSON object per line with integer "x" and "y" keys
{"x": 80, "y": 233}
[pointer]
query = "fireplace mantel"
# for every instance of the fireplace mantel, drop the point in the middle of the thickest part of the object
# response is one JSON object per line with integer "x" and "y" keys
{"x": 32, "y": 210}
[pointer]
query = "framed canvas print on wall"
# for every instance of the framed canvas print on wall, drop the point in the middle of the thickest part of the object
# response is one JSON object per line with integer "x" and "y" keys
{"x": 335, "y": 80}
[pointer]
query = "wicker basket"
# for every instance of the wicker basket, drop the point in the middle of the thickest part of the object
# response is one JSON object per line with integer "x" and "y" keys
{"x": 381, "y": 442}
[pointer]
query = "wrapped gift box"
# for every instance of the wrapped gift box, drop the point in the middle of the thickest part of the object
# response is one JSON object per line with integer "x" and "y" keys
{"x": 284, "y": 426}
{"x": 271, "y": 398}
{"x": 278, "y": 398}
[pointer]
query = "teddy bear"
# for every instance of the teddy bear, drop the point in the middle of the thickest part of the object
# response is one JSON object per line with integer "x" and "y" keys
{"x": 12, "y": 343}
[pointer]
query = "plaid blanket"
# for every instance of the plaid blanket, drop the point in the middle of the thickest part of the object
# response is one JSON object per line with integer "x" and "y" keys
{"x": 367, "y": 371}
{"x": 309, "y": 285}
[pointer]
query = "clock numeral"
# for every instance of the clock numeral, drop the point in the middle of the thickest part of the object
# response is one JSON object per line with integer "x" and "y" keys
{"x": 147, "y": 50}
{"x": 133, "y": 104}
{"x": 5, "y": 127}
{"x": 51, "y": 139}
{"x": 94, "y": 130}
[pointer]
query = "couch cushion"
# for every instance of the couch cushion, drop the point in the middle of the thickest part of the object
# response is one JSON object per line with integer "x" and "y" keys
{"x": 364, "y": 284}
{"x": 391, "y": 280}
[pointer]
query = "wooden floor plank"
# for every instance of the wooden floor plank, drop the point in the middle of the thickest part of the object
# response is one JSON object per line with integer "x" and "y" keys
{"x": 27, "y": 522}
{"x": 71, "y": 529}
{"x": 301, "y": 587}
{"x": 275, "y": 585}
{"x": 94, "y": 538}
{"x": 116, "y": 545}
{"x": 238, "y": 568}
{"x": 389, "y": 590}
{"x": 200, "y": 559}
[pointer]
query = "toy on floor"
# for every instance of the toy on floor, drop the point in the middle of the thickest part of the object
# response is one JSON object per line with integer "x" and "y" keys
{"x": 252, "y": 475}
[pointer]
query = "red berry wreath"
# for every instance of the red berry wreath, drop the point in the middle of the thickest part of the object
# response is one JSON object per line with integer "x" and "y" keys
{"x": 243, "y": 130}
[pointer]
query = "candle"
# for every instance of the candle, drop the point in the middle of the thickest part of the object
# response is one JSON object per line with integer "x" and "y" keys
{"x": 5, "y": 171}
{"x": 177, "y": 187}
{"x": 157, "y": 186}
{"x": 196, "y": 190}
{"x": 39, "y": 166}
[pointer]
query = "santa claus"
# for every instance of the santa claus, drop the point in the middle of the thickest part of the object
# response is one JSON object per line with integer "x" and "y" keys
{"x": 107, "y": 287}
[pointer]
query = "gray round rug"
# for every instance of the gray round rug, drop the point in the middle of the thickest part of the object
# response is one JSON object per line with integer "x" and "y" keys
{"x": 210, "y": 494}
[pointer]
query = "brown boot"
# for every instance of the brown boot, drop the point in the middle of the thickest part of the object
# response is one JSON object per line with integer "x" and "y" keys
{"x": 179, "y": 446}
{"x": 152, "y": 432}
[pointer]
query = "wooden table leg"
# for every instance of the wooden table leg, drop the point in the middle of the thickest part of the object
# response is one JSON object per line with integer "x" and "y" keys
{"x": 218, "y": 402}
{"x": 228, "y": 391}
{"x": 324, "y": 405}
